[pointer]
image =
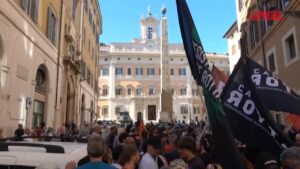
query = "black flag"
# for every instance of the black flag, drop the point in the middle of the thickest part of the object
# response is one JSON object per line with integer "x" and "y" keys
{"x": 226, "y": 151}
{"x": 194, "y": 49}
{"x": 250, "y": 121}
{"x": 274, "y": 93}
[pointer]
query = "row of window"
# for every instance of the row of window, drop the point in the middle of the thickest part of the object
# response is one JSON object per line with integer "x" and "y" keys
{"x": 151, "y": 91}
{"x": 90, "y": 15}
{"x": 290, "y": 51}
{"x": 31, "y": 7}
{"x": 183, "y": 110}
{"x": 139, "y": 71}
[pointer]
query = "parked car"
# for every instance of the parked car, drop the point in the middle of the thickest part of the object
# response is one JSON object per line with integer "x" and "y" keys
{"x": 29, "y": 155}
{"x": 124, "y": 118}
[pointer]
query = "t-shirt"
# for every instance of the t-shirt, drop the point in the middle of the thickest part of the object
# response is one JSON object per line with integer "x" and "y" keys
{"x": 96, "y": 165}
{"x": 196, "y": 163}
{"x": 148, "y": 162}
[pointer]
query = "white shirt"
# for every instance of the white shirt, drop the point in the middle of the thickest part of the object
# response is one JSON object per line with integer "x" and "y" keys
{"x": 116, "y": 165}
{"x": 148, "y": 162}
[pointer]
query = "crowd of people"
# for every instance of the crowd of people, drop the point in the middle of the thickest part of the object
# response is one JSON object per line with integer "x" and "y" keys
{"x": 159, "y": 146}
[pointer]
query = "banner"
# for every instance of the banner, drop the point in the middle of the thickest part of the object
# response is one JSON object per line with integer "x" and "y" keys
{"x": 274, "y": 93}
{"x": 225, "y": 149}
{"x": 250, "y": 121}
{"x": 194, "y": 50}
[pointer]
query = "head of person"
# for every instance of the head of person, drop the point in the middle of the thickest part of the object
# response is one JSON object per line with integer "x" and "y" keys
{"x": 129, "y": 140}
{"x": 290, "y": 157}
{"x": 96, "y": 147}
{"x": 122, "y": 137}
{"x": 178, "y": 164}
{"x": 266, "y": 161}
{"x": 20, "y": 126}
{"x": 97, "y": 129}
{"x": 107, "y": 155}
{"x": 154, "y": 146}
{"x": 187, "y": 148}
{"x": 116, "y": 152}
{"x": 297, "y": 139}
{"x": 27, "y": 131}
{"x": 130, "y": 154}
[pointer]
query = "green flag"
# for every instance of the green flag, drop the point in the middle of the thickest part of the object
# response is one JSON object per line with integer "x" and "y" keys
{"x": 226, "y": 152}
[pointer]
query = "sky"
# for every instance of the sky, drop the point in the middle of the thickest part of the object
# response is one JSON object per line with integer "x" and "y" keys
{"x": 121, "y": 20}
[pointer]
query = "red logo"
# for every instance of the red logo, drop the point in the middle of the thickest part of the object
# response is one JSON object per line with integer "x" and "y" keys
{"x": 275, "y": 15}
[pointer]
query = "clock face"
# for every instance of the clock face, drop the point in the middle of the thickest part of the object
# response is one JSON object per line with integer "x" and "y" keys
{"x": 150, "y": 44}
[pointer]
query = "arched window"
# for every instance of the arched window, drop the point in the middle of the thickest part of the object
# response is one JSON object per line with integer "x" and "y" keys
{"x": 40, "y": 103}
{"x": 41, "y": 79}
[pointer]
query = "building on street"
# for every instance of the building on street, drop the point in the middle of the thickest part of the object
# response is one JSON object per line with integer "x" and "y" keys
{"x": 42, "y": 51}
{"x": 132, "y": 80}
{"x": 272, "y": 43}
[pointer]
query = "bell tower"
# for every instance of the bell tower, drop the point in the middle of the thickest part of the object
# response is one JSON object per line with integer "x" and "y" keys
{"x": 149, "y": 28}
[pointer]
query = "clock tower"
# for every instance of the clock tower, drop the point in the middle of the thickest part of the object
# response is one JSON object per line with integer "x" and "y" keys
{"x": 149, "y": 29}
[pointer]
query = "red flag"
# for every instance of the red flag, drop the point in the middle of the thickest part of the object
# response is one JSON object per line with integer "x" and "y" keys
{"x": 220, "y": 79}
{"x": 294, "y": 120}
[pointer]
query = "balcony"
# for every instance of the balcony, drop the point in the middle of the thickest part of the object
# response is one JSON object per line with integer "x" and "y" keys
{"x": 73, "y": 63}
{"x": 70, "y": 32}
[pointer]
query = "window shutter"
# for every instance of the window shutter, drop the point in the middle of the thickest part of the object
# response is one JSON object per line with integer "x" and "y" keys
{"x": 36, "y": 11}
{"x": 49, "y": 24}
{"x": 54, "y": 30}
{"x": 24, "y": 4}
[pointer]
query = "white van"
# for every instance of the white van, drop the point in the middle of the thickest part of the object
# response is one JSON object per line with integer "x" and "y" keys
{"x": 29, "y": 155}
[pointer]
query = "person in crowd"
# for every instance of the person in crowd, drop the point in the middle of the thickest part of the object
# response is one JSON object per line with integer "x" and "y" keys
{"x": 116, "y": 152}
{"x": 119, "y": 140}
{"x": 111, "y": 137}
{"x": 107, "y": 156}
{"x": 187, "y": 148}
{"x": 62, "y": 132}
{"x": 129, "y": 140}
{"x": 297, "y": 139}
{"x": 266, "y": 161}
{"x": 27, "y": 133}
{"x": 290, "y": 158}
{"x": 149, "y": 160}
{"x": 214, "y": 166}
{"x": 84, "y": 130}
{"x": 97, "y": 130}
{"x": 143, "y": 140}
{"x": 96, "y": 149}
{"x": 1, "y": 133}
{"x": 19, "y": 132}
{"x": 129, "y": 157}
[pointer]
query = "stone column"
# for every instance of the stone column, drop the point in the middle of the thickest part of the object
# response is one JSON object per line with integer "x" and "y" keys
{"x": 166, "y": 98}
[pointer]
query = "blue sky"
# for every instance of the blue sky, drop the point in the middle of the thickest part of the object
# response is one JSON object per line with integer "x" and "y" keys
{"x": 212, "y": 18}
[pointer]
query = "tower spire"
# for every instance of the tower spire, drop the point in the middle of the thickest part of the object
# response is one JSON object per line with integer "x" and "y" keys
{"x": 149, "y": 11}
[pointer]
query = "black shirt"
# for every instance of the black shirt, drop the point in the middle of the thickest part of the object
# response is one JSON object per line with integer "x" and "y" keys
{"x": 196, "y": 163}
